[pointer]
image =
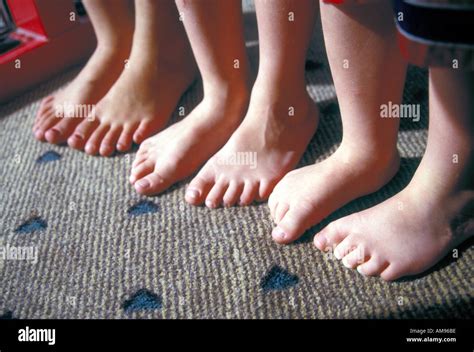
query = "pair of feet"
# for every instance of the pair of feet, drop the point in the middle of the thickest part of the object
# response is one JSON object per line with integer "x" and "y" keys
{"x": 404, "y": 235}
{"x": 116, "y": 100}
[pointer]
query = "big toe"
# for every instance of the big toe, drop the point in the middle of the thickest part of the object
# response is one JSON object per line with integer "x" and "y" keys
{"x": 198, "y": 190}
{"x": 161, "y": 178}
{"x": 151, "y": 184}
{"x": 293, "y": 224}
{"x": 331, "y": 236}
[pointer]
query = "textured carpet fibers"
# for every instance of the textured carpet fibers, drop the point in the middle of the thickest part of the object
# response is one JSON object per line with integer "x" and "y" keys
{"x": 102, "y": 251}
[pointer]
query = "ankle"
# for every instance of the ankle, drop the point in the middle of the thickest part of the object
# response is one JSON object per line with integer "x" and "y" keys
{"x": 289, "y": 100}
{"x": 113, "y": 52}
{"x": 278, "y": 88}
{"x": 374, "y": 165}
{"x": 234, "y": 93}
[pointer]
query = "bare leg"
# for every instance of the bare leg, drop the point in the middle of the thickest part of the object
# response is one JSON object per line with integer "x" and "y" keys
{"x": 215, "y": 30}
{"x": 281, "y": 118}
{"x": 113, "y": 25}
{"x": 361, "y": 45}
{"x": 413, "y": 230}
{"x": 139, "y": 104}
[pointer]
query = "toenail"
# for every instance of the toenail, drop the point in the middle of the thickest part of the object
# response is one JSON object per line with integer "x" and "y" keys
{"x": 359, "y": 269}
{"x": 278, "y": 233}
{"x": 192, "y": 194}
{"x": 210, "y": 204}
{"x": 106, "y": 149}
{"x": 89, "y": 148}
{"x": 78, "y": 137}
{"x": 54, "y": 132}
{"x": 143, "y": 184}
{"x": 321, "y": 241}
{"x": 38, "y": 134}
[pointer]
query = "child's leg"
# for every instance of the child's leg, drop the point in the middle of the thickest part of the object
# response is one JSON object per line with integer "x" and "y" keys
{"x": 411, "y": 231}
{"x": 368, "y": 71}
{"x": 215, "y": 29}
{"x": 113, "y": 25}
{"x": 140, "y": 103}
{"x": 281, "y": 118}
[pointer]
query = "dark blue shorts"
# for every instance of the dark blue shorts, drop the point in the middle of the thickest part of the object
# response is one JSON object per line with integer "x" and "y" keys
{"x": 433, "y": 32}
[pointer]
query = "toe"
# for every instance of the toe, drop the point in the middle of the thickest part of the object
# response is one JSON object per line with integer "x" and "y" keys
{"x": 293, "y": 224}
{"x": 357, "y": 257}
{"x": 233, "y": 193}
{"x": 140, "y": 158}
{"x": 391, "y": 273}
{"x": 163, "y": 176}
{"x": 215, "y": 196}
{"x": 373, "y": 267}
{"x": 82, "y": 134}
{"x": 49, "y": 121}
{"x": 347, "y": 245}
{"x": 126, "y": 139}
{"x": 281, "y": 210}
{"x": 93, "y": 144}
{"x": 40, "y": 119}
{"x": 44, "y": 111}
{"x": 141, "y": 171}
{"x": 198, "y": 189}
{"x": 144, "y": 130}
{"x": 329, "y": 237}
{"x": 46, "y": 104}
{"x": 107, "y": 147}
{"x": 150, "y": 184}
{"x": 249, "y": 194}
{"x": 62, "y": 130}
{"x": 265, "y": 189}
{"x": 272, "y": 204}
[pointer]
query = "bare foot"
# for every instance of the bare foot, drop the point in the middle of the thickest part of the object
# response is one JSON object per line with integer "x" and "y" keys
{"x": 268, "y": 144}
{"x": 140, "y": 103}
{"x": 306, "y": 196}
{"x": 179, "y": 150}
{"x": 405, "y": 235}
{"x": 60, "y": 113}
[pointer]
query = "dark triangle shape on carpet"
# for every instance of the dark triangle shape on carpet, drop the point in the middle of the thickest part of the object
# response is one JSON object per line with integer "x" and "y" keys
{"x": 278, "y": 279}
{"x": 142, "y": 300}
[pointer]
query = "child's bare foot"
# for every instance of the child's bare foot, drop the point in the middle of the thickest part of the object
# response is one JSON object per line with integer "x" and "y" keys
{"x": 58, "y": 115}
{"x": 367, "y": 158}
{"x": 268, "y": 144}
{"x": 137, "y": 106}
{"x": 401, "y": 236}
{"x": 411, "y": 231}
{"x": 306, "y": 196}
{"x": 179, "y": 150}
{"x": 160, "y": 69}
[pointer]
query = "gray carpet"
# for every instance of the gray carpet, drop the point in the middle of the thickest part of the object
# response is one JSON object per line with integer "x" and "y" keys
{"x": 105, "y": 252}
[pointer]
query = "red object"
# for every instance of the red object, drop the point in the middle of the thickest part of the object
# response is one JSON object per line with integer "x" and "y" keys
{"x": 53, "y": 37}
